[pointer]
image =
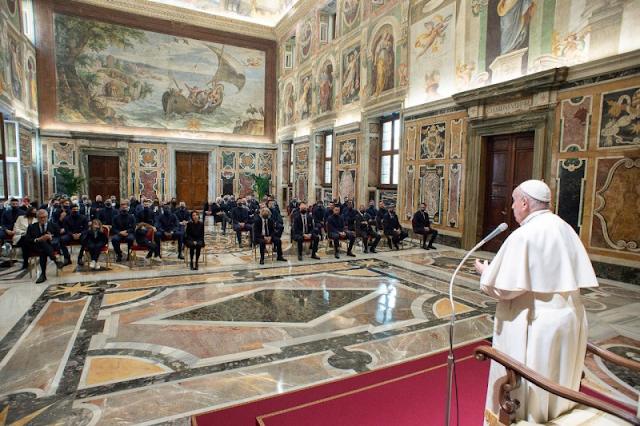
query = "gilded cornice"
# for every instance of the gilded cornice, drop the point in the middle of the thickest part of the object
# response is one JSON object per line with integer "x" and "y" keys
{"x": 186, "y": 16}
{"x": 296, "y": 14}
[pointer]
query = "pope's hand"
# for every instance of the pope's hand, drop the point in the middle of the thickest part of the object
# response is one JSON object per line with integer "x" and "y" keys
{"x": 481, "y": 266}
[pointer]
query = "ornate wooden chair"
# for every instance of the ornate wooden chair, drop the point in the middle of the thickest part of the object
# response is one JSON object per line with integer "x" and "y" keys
{"x": 589, "y": 411}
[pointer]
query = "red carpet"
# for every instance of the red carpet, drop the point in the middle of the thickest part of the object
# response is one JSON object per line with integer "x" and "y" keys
{"x": 410, "y": 393}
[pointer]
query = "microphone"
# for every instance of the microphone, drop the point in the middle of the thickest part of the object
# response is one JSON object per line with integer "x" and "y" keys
{"x": 451, "y": 359}
{"x": 501, "y": 228}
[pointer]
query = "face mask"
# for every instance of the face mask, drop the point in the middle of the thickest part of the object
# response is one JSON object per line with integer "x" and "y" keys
{"x": 147, "y": 207}
{"x": 33, "y": 215}
{"x": 143, "y": 229}
{"x": 362, "y": 211}
{"x": 241, "y": 204}
{"x": 167, "y": 211}
{"x": 124, "y": 212}
{"x": 14, "y": 208}
{"x": 75, "y": 213}
{"x": 421, "y": 209}
{"x": 303, "y": 210}
{"x": 183, "y": 208}
{"x": 266, "y": 216}
{"x": 108, "y": 205}
{"x": 55, "y": 206}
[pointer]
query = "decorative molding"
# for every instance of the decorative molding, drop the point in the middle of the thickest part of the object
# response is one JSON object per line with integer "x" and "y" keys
{"x": 295, "y": 15}
{"x": 347, "y": 129}
{"x": 186, "y": 16}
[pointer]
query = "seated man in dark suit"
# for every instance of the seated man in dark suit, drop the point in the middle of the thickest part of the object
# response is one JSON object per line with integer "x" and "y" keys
{"x": 392, "y": 228}
{"x": 168, "y": 228}
{"x": 362, "y": 224}
{"x": 277, "y": 218}
{"x": 106, "y": 215}
{"x": 264, "y": 232}
{"x": 44, "y": 238}
{"x": 371, "y": 210}
{"x": 75, "y": 227}
{"x": 422, "y": 226}
{"x": 337, "y": 230}
{"x": 9, "y": 218}
{"x": 183, "y": 215}
{"x": 318, "y": 217}
{"x": 382, "y": 211}
{"x": 146, "y": 215}
{"x": 304, "y": 229}
{"x": 123, "y": 228}
{"x": 240, "y": 218}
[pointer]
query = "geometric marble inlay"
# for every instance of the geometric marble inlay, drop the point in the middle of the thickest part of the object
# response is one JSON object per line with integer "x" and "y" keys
{"x": 442, "y": 308}
{"x": 291, "y": 306}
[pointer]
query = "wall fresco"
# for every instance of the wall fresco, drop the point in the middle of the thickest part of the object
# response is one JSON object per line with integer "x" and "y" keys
{"x": 351, "y": 76}
{"x": 619, "y": 124}
{"x": 124, "y": 76}
{"x": 348, "y": 152}
{"x": 432, "y": 140}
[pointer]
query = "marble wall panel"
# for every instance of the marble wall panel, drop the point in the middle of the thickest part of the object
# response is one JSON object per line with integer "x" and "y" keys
{"x": 617, "y": 203}
{"x": 432, "y": 141}
{"x": 301, "y": 186}
{"x": 148, "y": 166}
{"x": 301, "y": 157}
{"x": 347, "y": 184}
{"x": 348, "y": 152}
{"x": 266, "y": 161}
{"x": 410, "y": 182}
{"x": 410, "y": 140}
{"x": 319, "y": 161}
{"x": 245, "y": 184}
{"x": 148, "y": 183}
{"x": 374, "y": 159}
{"x": 247, "y": 161}
{"x": 619, "y": 122}
{"x": 236, "y": 167}
{"x": 570, "y": 191}
{"x": 456, "y": 138}
{"x": 454, "y": 195}
{"x": 388, "y": 197}
{"x": 575, "y": 118}
{"x": 431, "y": 191}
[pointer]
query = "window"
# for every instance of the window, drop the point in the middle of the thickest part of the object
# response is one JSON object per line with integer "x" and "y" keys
{"x": 390, "y": 151}
{"x": 3, "y": 163}
{"x": 327, "y": 169}
{"x": 327, "y": 27}
{"x": 28, "y": 24}
{"x": 12, "y": 159}
{"x": 291, "y": 162}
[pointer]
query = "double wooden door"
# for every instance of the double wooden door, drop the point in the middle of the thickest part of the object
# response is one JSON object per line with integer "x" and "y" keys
{"x": 104, "y": 176}
{"x": 509, "y": 163}
{"x": 192, "y": 170}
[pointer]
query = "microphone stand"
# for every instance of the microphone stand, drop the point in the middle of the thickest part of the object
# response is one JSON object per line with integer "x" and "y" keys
{"x": 450, "y": 358}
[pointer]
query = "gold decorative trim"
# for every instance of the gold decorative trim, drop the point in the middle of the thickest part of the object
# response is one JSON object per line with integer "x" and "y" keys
{"x": 186, "y": 16}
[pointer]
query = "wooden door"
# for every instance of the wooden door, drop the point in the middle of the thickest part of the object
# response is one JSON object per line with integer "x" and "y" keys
{"x": 104, "y": 176}
{"x": 192, "y": 171}
{"x": 509, "y": 163}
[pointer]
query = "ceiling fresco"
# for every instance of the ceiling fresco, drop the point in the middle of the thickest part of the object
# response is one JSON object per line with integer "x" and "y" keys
{"x": 263, "y": 12}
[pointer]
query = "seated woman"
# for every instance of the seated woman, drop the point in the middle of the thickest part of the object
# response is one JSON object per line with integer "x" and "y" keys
{"x": 96, "y": 239}
{"x": 142, "y": 238}
{"x": 194, "y": 238}
{"x": 20, "y": 231}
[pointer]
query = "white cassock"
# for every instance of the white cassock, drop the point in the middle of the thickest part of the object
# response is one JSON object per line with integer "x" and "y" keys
{"x": 536, "y": 276}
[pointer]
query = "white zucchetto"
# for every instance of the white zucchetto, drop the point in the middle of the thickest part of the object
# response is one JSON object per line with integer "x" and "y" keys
{"x": 536, "y": 189}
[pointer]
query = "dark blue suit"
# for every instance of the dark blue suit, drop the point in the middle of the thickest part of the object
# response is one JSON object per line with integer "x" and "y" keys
{"x": 123, "y": 222}
{"x": 240, "y": 215}
{"x": 336, "y": 225}
{"x": 168, "y": 223}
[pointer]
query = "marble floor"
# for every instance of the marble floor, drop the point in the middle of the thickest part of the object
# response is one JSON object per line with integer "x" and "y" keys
{"x": 124, "y": 346}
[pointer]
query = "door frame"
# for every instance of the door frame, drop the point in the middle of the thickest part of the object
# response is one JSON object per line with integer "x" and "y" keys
{"x": 200, "y": 148}
{"x": 540, "y": 122}
{"x": 121, "y": 153}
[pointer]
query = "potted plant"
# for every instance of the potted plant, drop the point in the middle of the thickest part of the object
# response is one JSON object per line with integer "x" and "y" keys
{"x": 263, "y": 183}
{"x": 69, "y": 181}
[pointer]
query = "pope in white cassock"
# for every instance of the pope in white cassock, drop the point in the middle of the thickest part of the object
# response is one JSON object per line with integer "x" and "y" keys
{"x": 536, "y": 276}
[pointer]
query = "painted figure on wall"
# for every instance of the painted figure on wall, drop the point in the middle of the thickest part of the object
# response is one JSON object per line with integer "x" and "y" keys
{"x": 434, "y": 33}
{"x": 305, "y": 39}
{"x": 573, "y": 48}
{"x": 31, "y": 79}
{"x": 515, "y": 16}
{"x": 383, "y": 62}
{"x": 4, "y": 58}
{"x": 304, "y": 102}
{"x": 350, "y": 12}
{"x": 289, "y": 104}
{"x": 351, "y": 76}
{"x": 325, "y": 99}
{"x": 15, "y": 65}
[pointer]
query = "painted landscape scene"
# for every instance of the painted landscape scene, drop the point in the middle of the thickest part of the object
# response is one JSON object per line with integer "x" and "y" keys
{"x": 113, "y": 75}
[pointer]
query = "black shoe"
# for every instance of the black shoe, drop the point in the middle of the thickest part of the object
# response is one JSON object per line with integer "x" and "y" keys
{"x": 337, "y": 256}
{"x": 118, "y": 258}
{"x": 196, "y": 266}
{"x": 240, "y": 245}
{"x": 42, "y": 278}
{"x": 315, "y": 256}
{"x": 67, "y": 261}
{"x": 350, "y": 254}
{"x": 149, "y": 255}
{"x": 366, "y": 251}
{"x": 180, "y": 256}
{"x": 430, "y": 247}
{"x": 299, "y": 257}
{"x": 262, "y": 261}
{"x": 192, "y": 268}
{"x": 425, "y": 248}
{"x": 372, "y": 250}
{"x": 397, "y": 247}
{"x": 59, "y": 265}
{"x": 281, "y": 259}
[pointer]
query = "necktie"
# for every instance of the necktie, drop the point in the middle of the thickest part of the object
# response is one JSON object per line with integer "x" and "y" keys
{"x": 41, "y": 229}
{"x": 304, "y": 224}
{"x": 266, "y": 228}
